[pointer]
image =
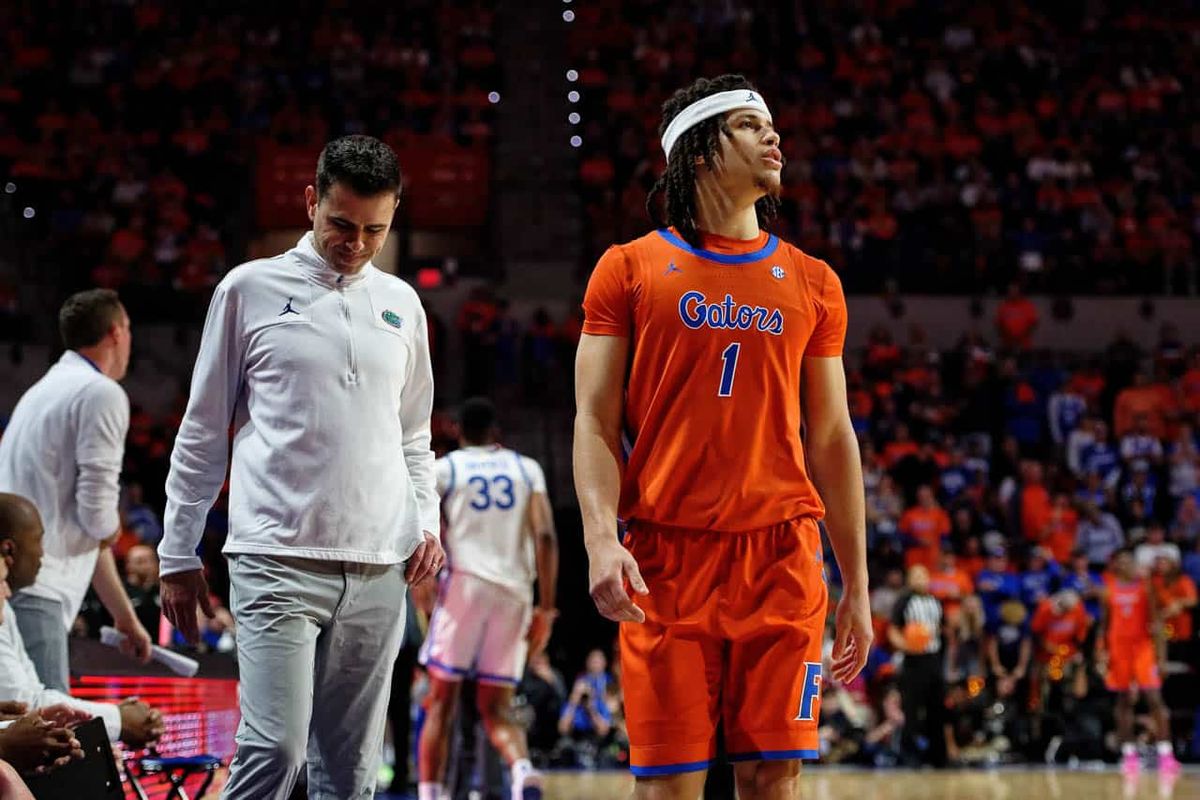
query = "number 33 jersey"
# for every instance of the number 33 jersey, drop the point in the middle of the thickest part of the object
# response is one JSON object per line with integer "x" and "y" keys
{"x": 718, "y": 335}
{"x": 486, "y": 492}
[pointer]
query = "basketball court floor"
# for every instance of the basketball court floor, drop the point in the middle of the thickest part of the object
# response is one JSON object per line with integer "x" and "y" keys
{"x": 1004, "y": 784}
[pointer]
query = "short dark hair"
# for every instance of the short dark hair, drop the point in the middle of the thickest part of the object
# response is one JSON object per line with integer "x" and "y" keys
{"x": 677, "y": 185}
{"x": 476, "y": 419}
{"x": 86, "y": 317}
{"x": 363, "y": 164}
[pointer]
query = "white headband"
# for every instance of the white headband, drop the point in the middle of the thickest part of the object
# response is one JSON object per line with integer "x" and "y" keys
{"x": 708, "y": 107}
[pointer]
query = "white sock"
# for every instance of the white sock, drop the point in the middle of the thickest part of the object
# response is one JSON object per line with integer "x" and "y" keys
{"x": 521, "y": 768}
{"x": 1127, "y": 749}
{"x": 1165, "y": 749}
{"x": 428, "y": 790}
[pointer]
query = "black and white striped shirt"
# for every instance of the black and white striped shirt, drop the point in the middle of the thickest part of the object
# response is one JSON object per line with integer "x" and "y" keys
{"x": 924, "y": 610}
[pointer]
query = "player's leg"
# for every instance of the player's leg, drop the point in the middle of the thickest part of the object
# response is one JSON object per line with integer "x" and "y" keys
{"x": 433, "y": 750}
{"x": 768, "y": 780}
{"x": 451, "y": 645}
{"x": 279, "y": 612}
{"x": 1150, "y": 681}
{"x": 499, "y": 666}
{"x": 674, "y": 664}
{"x": 775, "y": 618}
{"x": 683, "y": 786}
{"x": 355, "y": 656}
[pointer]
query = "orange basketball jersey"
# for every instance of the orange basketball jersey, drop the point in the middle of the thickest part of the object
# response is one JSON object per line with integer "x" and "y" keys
{"x": 1128, "y": 611}
{"x": 717, "y": 338}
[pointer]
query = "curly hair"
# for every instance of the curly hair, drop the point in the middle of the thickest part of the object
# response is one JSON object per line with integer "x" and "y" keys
{"x": 677, "y": 185}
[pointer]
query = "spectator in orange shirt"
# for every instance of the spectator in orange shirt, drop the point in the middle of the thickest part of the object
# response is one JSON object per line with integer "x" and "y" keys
{"x": 1154, "y": 400}
{"x": 1035, "y": 500}
{"x": 1016, "y": 320}
{"x": 923, "y": 526}
{"x": 1060, "y": 627}
{"x": 1175, "y": 593}
{"x": 950, "y": 584}
{"x": 900, "y": 446}
{"x": 1058, "y": 533}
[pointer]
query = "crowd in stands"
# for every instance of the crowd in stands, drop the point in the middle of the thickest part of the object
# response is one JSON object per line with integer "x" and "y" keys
{"x": 132, "y": 132}
{"x": 945, "y": 147}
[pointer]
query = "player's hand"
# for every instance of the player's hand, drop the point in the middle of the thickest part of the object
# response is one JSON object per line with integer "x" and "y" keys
{"x": 10, "y": 709}
{"x": 608, "y": 568}
{"x": 32, "y": 744}
{"x": 540, "y": 628}
{"x": 141, "y": 725}
{"x": 854, "y": 635}
{"x": 180, "y": 593}
{"x": 136, "y": 644}
{"x": 426, "y": 560}
{"x": 63, "y": 715}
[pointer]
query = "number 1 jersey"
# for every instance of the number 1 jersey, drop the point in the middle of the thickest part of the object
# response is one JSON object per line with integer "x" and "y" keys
{"x": 485, "y": 493}
{"x": 718, "y": 335}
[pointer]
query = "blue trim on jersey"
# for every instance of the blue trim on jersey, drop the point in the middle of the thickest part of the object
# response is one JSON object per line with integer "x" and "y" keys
{"x": 521, "y": 469}
{"x": 723, "y": 258}
{"x": 670, "y": 769}
{"x": 438, "y": 665}
{"x": 774, "y": 755}
{"x": 483, "y": 676}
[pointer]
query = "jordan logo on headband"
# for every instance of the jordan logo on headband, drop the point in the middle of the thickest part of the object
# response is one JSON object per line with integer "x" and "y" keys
{"x": 709, "y": 107}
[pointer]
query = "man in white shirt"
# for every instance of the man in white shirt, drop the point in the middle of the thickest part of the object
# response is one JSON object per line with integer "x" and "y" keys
{"x": 321, "y": 364}
{"x": 499, "y": 537}
{"x": 131, "y": 721}
{"x": 62, "y": 449}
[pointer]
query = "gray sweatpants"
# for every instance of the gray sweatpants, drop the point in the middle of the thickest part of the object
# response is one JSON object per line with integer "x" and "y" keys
{"x": 42, "y": 629}
{"x": 316, "y": 641}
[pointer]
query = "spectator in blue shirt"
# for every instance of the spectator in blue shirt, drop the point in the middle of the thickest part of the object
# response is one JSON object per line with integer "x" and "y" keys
{"x": 1039, "y": 579}
{"x": 1084, "y": 581}
{"x": 995, "y": 584}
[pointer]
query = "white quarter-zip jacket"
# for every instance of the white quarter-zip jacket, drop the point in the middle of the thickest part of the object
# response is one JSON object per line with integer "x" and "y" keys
{"x": 327, "y": 382}
{"x": 62, "y": 451}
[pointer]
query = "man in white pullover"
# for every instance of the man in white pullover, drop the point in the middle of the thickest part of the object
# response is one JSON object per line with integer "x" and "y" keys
{"x": 320, "y": 362}
{"x": 62, "y": 450}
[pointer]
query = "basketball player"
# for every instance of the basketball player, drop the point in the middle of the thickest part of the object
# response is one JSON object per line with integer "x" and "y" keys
{"x": 1128, "y": 642}
{"x": 499, "y": 530}
{"x": 726, "y": 342}
{"x": 320, "y": 361}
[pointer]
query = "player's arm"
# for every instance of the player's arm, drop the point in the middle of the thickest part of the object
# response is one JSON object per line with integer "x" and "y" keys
{"x": 833, "y": 457}
{"x": 545, "y": 544}
{"x": 599, "y": 378}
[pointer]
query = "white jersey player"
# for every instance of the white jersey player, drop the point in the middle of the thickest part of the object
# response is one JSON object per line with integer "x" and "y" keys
{"x": 499, "y": 538}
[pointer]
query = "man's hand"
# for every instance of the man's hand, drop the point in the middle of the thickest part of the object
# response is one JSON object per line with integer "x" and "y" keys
{"x": 63, "y": 715}
{"x": 854, "y": 635}
{"x": 32, "y": 744}
{"x": 608, "y": 567}
{"x": 10, "y": 709}
{"x": 137, "y": 641}
{"x": 540, "y": 628}
{"x": 141, "y": 725}
{"x": 426, "y": 560}
{"x": 180, "y": 592}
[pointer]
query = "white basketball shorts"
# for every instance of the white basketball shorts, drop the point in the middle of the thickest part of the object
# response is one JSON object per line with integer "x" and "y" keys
{"x": 478, "y": 631}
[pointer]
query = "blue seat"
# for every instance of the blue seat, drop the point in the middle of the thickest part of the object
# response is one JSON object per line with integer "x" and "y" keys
{"x": 176, "y": 770}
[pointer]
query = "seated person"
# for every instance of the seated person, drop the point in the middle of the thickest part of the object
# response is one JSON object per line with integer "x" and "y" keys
{"x": 37, "y": 742}
{"x": 132, "y": 721}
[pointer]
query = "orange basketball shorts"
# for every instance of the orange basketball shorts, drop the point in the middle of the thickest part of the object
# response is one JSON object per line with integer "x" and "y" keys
{"x": 733, "y": 630}
{"x": 1132, "y": 663}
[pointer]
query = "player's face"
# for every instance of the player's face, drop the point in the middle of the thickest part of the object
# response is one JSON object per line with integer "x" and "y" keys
{"x": 349, "y": 229}
{"x": 26, "y": 553}
{"x": 1123, "y": 565}
{"x": 751, "y": 161}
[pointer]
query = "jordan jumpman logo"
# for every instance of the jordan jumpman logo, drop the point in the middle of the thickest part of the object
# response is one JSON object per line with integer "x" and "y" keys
{"x": 288, "y": 309}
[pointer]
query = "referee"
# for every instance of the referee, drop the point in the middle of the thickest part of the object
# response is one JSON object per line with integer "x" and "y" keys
{"x": 321, "y": 364}
{"x": 916, "y": 631}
